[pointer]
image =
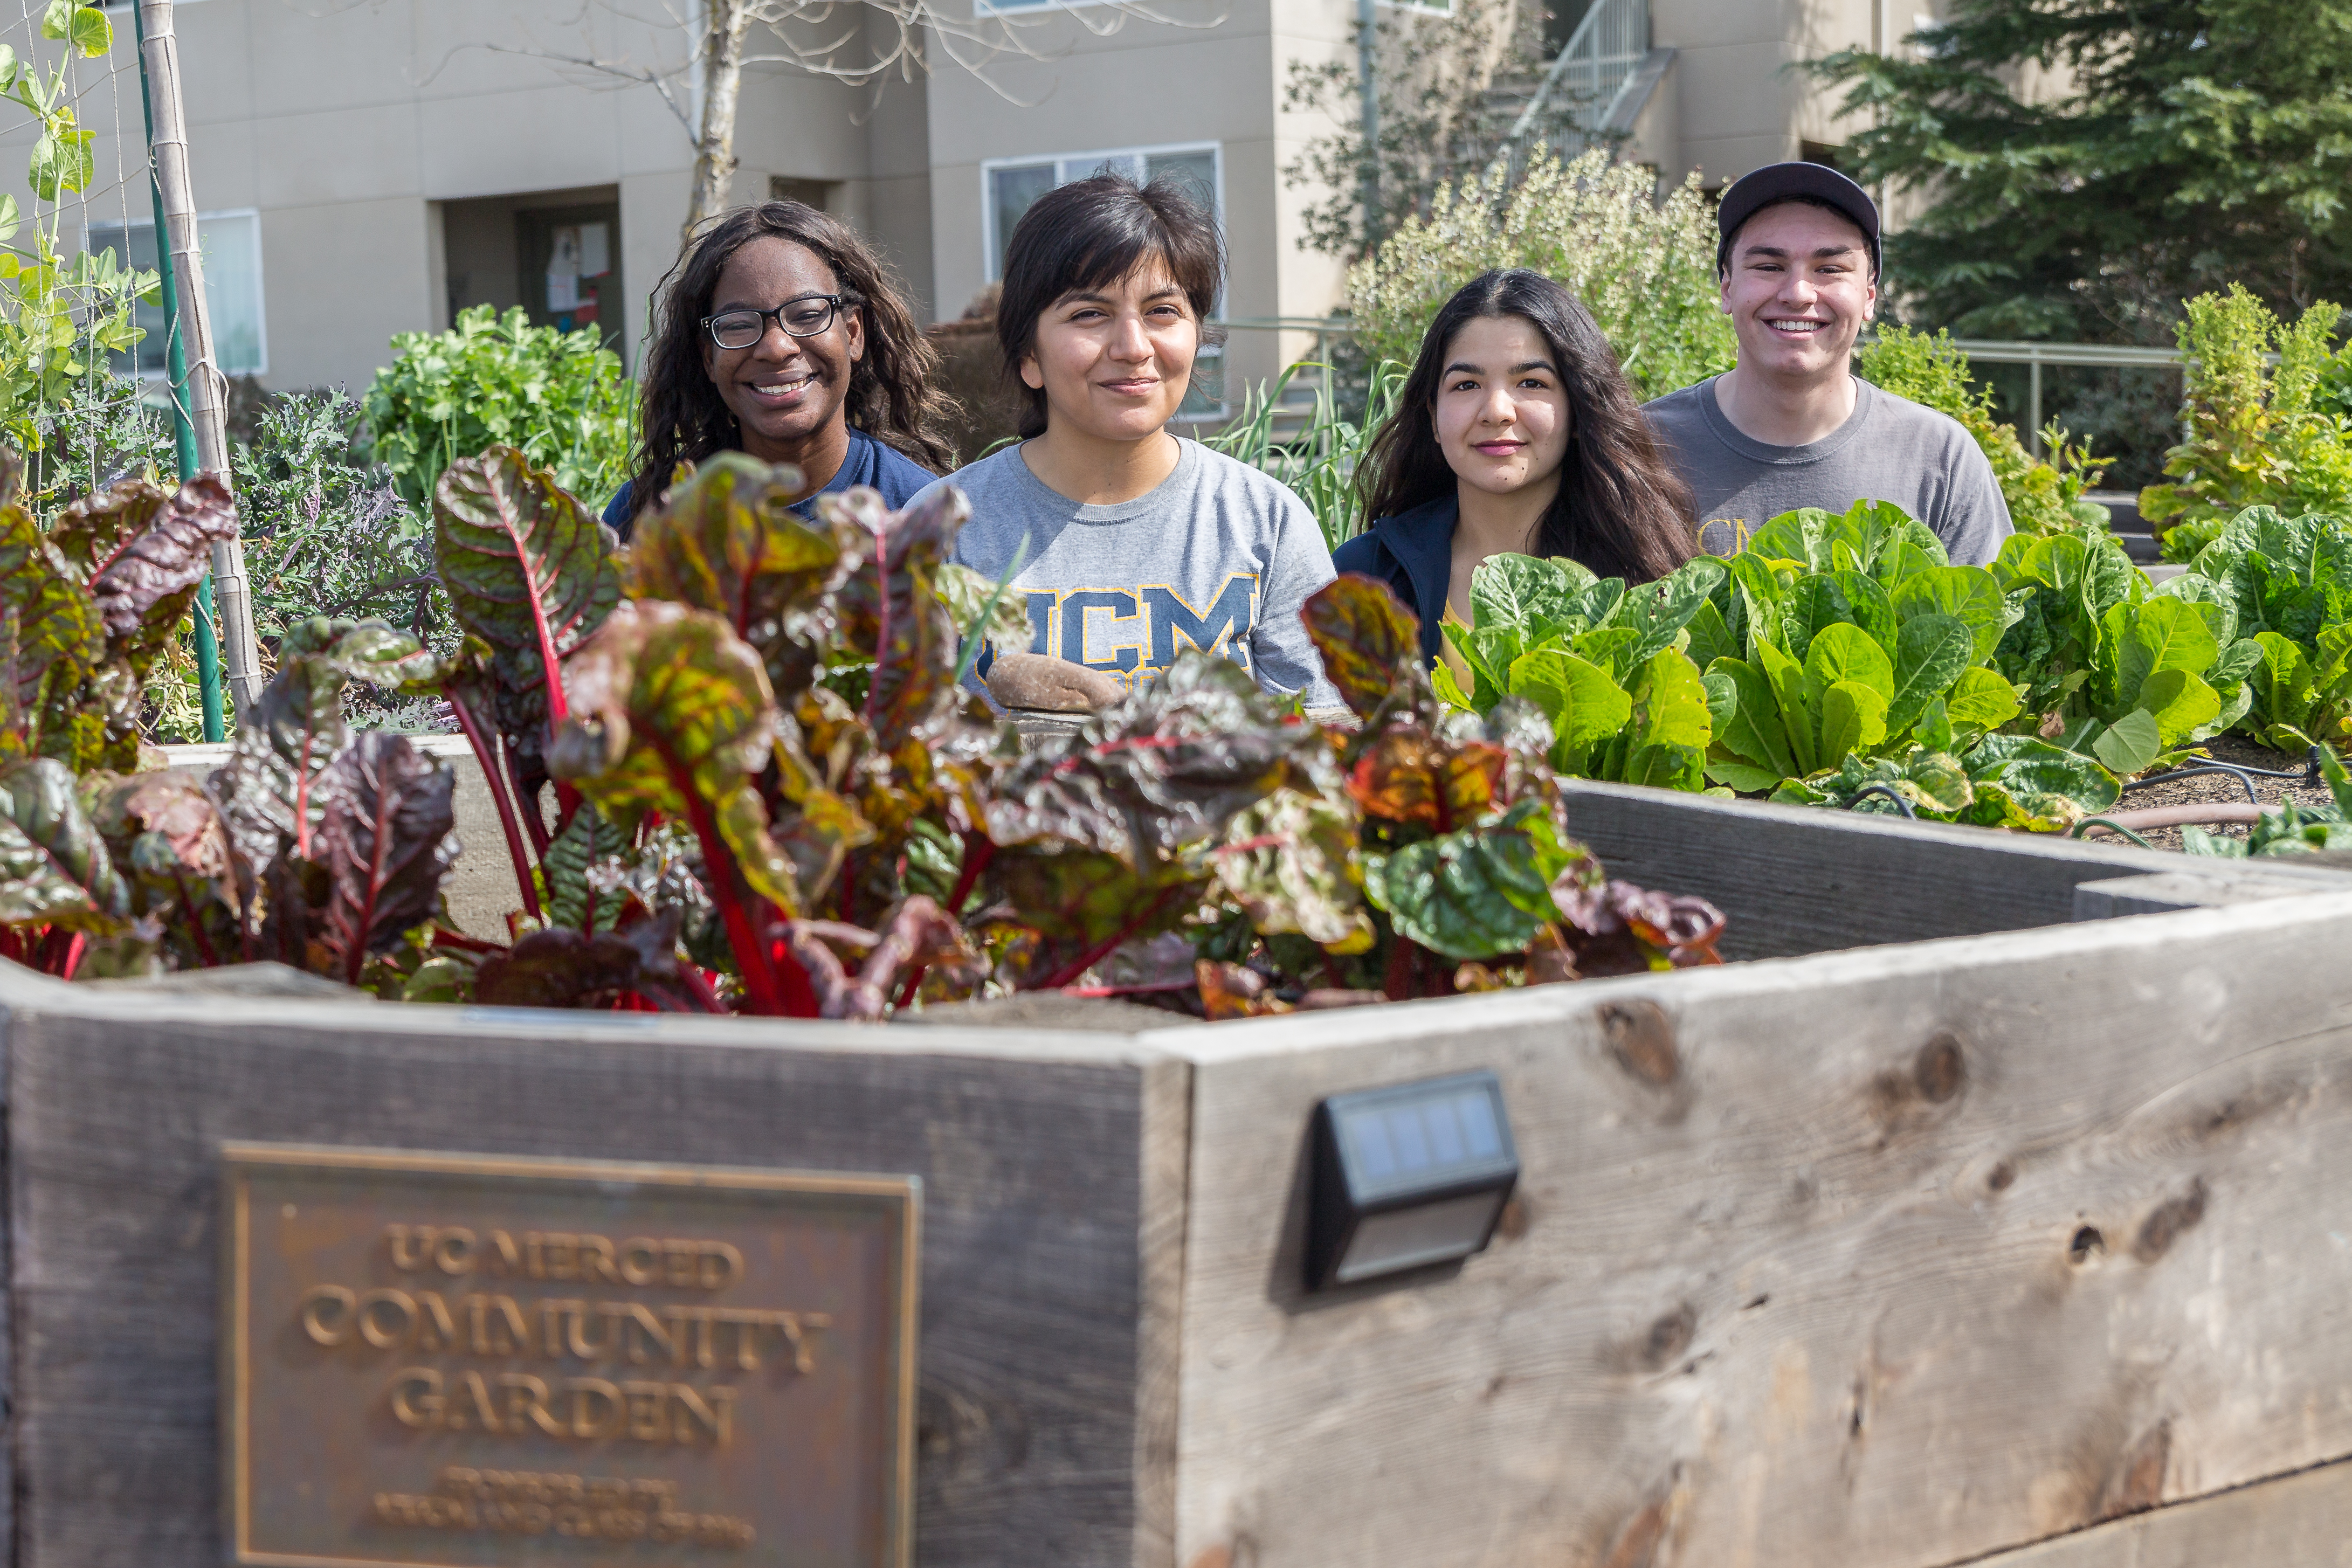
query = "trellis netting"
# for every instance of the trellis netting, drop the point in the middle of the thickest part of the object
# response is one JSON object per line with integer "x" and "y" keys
{"x": 73, "y": 346}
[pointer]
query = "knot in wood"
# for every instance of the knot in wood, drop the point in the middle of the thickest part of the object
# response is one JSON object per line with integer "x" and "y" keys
{"x": 2166, "y": 1220}
{"x": 1642, "y": 1042}
{"x": 1941, "y": 1071}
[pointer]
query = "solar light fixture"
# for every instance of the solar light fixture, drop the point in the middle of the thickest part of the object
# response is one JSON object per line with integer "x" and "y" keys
{"x": 1407, "y": 1175}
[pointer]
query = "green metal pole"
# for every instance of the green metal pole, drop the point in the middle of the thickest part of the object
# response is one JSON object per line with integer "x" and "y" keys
{"x": 184, "y": 433}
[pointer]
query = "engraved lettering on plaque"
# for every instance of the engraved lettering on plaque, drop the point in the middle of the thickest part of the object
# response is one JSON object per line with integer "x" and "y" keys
{"x": 447, "y": 1361}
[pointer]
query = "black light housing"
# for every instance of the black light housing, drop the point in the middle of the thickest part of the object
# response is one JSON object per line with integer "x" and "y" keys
{"x": 1407, "y": 1175}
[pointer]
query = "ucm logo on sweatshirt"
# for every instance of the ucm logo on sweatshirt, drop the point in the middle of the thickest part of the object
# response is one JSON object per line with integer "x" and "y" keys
{"x": 1132, "y": 633}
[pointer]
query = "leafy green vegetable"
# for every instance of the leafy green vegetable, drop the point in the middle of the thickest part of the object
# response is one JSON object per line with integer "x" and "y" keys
{"x": 560, "y": 399}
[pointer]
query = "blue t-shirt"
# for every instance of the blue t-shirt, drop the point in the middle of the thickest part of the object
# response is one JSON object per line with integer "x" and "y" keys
{"x": 869, "y": 462}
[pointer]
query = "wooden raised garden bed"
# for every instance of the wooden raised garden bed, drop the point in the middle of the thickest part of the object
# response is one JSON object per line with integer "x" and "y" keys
{"x": 1947, "y": 1224}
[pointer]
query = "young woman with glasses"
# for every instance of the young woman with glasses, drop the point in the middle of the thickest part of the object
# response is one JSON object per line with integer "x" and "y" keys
{"x": 782, "y": 335}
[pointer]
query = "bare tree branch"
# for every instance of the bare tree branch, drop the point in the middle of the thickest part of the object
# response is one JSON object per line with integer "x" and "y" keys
{"x": 702, "y": 85}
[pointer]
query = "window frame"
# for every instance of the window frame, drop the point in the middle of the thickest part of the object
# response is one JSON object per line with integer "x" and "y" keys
{"x": 260, "y": 283}
{"x": 991, "y": 243}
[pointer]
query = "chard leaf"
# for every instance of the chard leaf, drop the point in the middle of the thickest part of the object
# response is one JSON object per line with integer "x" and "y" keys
{"x": 1078, "y": 898}
{"x": 888, "y": 609}
{"x": 54, "y": 867}
{"x": 527, "y": 571}
{"x": 725, "y": 540}
{"x": 1475, "y": 892}
{"x": 586, "y": 842}
{"x": 1290, "y": 862}
{"x": 52, "y": 641}
{"x": 1409, "y": 774}
{"x": 671, "y": 713}
{"x": 267, "y": 788}
{"x": 384, "y": 838}
{"x": 1930, "y": 653}
{"x": 1365, "y": 635}
{"x": 167, "y": 833}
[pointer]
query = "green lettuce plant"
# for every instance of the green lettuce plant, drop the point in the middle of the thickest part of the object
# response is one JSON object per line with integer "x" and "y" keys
{"x": 1606, "y": 668}
{"x": 2113, "y": 668}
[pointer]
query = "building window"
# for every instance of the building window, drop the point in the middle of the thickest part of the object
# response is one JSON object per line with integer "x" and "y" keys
{"x": 1013, "y": 183}
{"x": 231, "y": 246}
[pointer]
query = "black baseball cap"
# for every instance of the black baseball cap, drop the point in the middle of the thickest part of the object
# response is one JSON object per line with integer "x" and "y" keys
{"x": 1755, "y": 190}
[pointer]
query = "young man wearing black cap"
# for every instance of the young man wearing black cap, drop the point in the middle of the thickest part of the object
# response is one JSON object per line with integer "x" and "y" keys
{"x": 1790, "y": 425}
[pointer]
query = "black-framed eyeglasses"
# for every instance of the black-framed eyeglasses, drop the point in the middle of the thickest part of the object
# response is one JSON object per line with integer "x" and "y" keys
{"x": 803, "y": 317}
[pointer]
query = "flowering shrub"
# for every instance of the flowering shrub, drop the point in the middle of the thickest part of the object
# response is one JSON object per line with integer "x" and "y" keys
{"x": 2258, "y": 435}
{"x": 1644, "y": 268}
{"x": 2043, "y": 497}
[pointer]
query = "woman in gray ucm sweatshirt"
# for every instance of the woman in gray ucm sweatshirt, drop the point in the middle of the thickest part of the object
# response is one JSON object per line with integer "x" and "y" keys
{"x": 1134, "y": 544}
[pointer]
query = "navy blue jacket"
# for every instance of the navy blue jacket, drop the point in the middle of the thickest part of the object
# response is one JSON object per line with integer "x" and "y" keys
{"x": 1412, "y": 552}
{"x": 868, "y": 462}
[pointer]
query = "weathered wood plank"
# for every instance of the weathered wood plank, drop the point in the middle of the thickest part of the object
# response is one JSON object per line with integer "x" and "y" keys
{"x": 2166, "y": 891}
{"x": 2295, "y": 1522}
{"x": 1050, "y": 1164}
{"x": 1797, "y": 880}
{"x": 1883, "y": 1259}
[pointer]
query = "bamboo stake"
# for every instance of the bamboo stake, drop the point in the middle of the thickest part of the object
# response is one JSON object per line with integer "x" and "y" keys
{"x": 159, "y": 58}
{"x": 184, "y": 433}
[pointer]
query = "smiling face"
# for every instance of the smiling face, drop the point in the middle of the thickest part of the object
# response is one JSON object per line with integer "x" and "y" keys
{"x": 1799, "y": 291}
{"x": 1502, "y": 415}
{"x": 1114, "y": 361}
{"x": 785, "y": 393}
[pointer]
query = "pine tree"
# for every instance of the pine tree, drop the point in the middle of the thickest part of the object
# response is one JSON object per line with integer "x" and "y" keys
{"x": 2092, "y": 162}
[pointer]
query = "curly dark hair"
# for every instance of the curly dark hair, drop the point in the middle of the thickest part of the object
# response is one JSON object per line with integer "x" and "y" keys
{"x": 890, "y": 397}
{"x": 1622, "y": 510}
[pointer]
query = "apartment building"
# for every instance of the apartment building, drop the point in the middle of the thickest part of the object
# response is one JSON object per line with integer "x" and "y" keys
{"x": 370, "y": 167}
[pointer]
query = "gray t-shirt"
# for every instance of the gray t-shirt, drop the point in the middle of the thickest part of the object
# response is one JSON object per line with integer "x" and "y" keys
{"x": 1889, "y": 449}
{"x": 1218, "y": 555}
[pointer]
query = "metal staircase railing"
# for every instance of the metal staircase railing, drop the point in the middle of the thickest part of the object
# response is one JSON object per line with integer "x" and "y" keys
{"x": 1598, "y": 61}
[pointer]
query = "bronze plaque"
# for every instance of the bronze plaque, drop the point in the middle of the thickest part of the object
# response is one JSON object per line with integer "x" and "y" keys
{"x": 472, "y": 1362}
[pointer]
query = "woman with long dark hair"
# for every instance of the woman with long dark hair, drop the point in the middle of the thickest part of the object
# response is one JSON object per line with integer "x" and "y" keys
{"x": 1518, "y": 433}
{"x": 781, "y": 334}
